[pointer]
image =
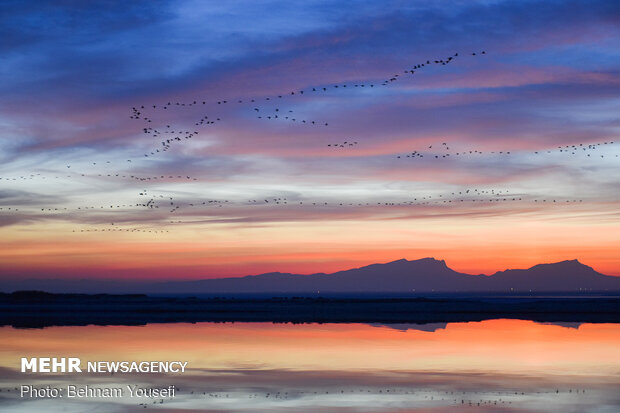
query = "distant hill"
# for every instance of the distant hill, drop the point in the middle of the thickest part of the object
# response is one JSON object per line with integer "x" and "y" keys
{"x": 401, "y": 276}
{"x": 560, "y": 276}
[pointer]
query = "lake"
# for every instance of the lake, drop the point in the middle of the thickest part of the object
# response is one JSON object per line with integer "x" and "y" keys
{"x": 494, "y": 365}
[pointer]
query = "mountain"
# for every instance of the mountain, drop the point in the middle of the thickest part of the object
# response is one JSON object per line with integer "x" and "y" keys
{"x": 426, "y": 274}
{"x": 401, "y": 276}
{"x": 560, "y": 276}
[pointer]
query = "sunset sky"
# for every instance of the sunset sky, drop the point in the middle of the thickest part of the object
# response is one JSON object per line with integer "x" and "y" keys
{"x": 86, "y": 193}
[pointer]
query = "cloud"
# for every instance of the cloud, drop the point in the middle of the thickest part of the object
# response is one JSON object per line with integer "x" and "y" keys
{"x": 72, "y": 72}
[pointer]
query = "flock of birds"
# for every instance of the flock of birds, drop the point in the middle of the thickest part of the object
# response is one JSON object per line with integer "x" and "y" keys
{"x": 394, "y": 395}
{"x": 274, "y": 107}
{"x": 344, "y": 144}
{"x": 435, "y": 151}
{"x": 263, "y": 112}
{"x": 160, "y": 178}
{"x": 172, "y": 204}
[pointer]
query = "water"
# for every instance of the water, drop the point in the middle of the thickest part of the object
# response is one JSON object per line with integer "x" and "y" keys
{"x": 496, "y": 365}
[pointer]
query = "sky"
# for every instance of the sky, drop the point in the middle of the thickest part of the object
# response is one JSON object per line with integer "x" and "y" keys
{"x": 503, "y": 154}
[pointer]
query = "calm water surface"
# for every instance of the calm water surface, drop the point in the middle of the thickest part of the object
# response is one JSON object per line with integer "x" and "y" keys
{"x": 498, "y": 365}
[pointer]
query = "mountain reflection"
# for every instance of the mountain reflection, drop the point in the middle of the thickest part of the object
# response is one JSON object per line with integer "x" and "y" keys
{"x": 496, "y": 365}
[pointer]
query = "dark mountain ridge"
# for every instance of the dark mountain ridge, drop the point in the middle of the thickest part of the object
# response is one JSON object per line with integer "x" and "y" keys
{"x": 426, "y": 275}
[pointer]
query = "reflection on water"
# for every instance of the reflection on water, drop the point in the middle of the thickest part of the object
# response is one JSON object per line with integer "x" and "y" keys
{"x": 497, "y": 365}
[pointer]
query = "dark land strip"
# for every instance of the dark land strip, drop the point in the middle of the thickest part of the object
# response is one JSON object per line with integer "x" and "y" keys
{"x": 37, "y": 309}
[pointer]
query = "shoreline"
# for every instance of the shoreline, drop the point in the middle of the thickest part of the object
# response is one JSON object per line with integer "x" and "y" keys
{"x": 40, "y": 310}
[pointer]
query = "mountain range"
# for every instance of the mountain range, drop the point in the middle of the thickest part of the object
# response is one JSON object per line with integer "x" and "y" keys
{"x": 426, "y": 275}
